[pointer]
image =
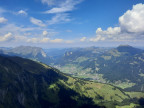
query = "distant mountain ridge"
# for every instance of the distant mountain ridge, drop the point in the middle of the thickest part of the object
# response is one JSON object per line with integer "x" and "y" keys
{"x": 129, "y": 49}
{"x": 27, "y": 50}
{"x": 30, "y": 52}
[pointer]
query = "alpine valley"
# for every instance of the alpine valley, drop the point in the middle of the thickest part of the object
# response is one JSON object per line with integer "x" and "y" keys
{"x": 89, "y": 77}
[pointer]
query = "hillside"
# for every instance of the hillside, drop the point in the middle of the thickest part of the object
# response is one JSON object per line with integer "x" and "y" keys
{"x": 121, "y": 66}
{"x": 28, "y": 84}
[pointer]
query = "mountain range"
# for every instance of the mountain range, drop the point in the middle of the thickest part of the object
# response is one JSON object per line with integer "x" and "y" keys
{"x": 95, "y": 78}
{"x": 29, "y": 84}
{"x": 121, "y": 66}
{"x": 34, "y": 53}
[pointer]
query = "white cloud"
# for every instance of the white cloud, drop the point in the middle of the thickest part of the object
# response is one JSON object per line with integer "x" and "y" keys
{"x": 62, "y": 6}
{"x": 51, "y": 2}
{"x": 3, "y": 20}
{"x": 20, "y": 38}
{"x": 44, "y": 40}
{"x": 6, "y": 37}
{"x": 17, "y": 35}
{"x": 57, "y": 40}
{"x": 26, "y": 35}
{"x": 102, "y": 35}
{"x": 97, "y": 38}
{"x": 18, "y": 30}
{"x": 33, "y": 40}
{"x": 83, "y": 39}
{"x": 59, "y": 10}
{"x": 22, "y": 12}
{"x": 45, "y": 33}
{"x": 109, "y": 31}
{"x": 61, "y": 41}
{"x": 37, "y": 22}
{"x": 131, "y": 27}
{"x": 59, "y": 18}
{"x": 49, "y": 33}
{"x": 133, "y": 20}
{"x": 69, "y": 41}
{"x": 47, "y": 40}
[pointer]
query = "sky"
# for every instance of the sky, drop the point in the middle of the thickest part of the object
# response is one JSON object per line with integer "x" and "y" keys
{"x": 71, "y": 23}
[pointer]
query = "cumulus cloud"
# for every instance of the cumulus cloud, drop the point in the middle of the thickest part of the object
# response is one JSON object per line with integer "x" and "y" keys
{"x": 49, "y": 33}
{"x": 6, "y": 37}
{"x": 131, "y": 27}
{"x": 109, "y": 31}
{"x": 132, "y": 20}
{"x": 97, "y": 38}
{"x": 22, "y": 12}
{"x": 32, "y": 40}
{"x": 45, "y": 33}
{"x": 37, "y": 22}
{"x": 3, "y": 20}
{"x": 83, "y": 39}
{"x": 26, "y": 35}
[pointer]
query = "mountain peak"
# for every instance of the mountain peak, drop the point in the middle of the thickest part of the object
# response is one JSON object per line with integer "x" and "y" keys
{"x": 126, "y": 45}
{"x": 26, "y": 50}
{"x": 129, "y": 49}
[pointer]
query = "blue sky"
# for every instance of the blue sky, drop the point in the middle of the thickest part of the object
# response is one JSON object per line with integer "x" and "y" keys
{"x": 71, "y": 23}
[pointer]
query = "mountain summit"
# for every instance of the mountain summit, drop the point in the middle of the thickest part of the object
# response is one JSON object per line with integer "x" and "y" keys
{"x": 129, "y": 49}
{"x": 28, "y": 51}
{"x": 34, "y": 53}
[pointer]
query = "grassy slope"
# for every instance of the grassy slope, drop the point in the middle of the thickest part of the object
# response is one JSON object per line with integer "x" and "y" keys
{"x": 101, "y": 94}
{"x": 135, "y": 94}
